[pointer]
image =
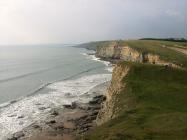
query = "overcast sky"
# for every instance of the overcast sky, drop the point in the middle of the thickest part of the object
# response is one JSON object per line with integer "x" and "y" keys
{"x": 74, "y": 21}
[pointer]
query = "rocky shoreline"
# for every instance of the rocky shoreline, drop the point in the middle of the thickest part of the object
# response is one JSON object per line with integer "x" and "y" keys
{"x": 67, "y": 122}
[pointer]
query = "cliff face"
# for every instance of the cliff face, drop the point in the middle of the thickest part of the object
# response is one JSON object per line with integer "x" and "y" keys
{"x": 110, "y": 51}
{"x": 108, "y": 110}
{"x": 113, "y": 51}
{"x": 126, "y": 53}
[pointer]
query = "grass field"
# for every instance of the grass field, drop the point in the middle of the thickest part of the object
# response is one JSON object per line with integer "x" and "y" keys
{"x": 157, "y": 106}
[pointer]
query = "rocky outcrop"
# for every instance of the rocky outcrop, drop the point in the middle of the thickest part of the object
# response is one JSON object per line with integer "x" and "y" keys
{"x": 130, "y": 54}
{"x": 72, "y": 121}
{"x": 111, "y": 51}
{"x": 115, "y": 52}
{"x": 108, "y": 110}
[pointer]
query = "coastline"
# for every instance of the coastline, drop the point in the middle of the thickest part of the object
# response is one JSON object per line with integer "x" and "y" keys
{"x": 76, "y": 119}
{"x": 68, "y": 122}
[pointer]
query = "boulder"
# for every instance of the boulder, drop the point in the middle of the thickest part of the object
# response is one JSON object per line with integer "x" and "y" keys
{"x": 19, "y": 135}
{"x": 20, "y": 117}
{"x": 51, "y": 122}
{"x": 13, "y": 138}
{"x": 72, "y": 106}
{"x": 97, "y": 100}
{"x": 54, "y": 113}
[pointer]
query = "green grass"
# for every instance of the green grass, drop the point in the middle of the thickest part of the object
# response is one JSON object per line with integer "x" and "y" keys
{"x": 153, "y": 106}
{"x": 159, "y": 48}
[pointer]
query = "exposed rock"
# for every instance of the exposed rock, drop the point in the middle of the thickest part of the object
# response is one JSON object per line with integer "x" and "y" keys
{"x": 90, "y": 53}
{"x": 12, "y": 102}
{"x": 75, "y": 119}
{"x": 67, "y": 106}
{"x": 111, "y": 51}
{"x": 55, "y": 113}
{"x": 38, "y": 104}
{"x": 114, "y": 52}
{"x": 95, "y": 107}
{"x": 36, "y": 126}
{"x": 19, "y": 135}
{"x": 13, "y": 138}
{"x": 59, "y": 126}
{"x": 108, "y": 109}
{"x": 97, "y": 100}
{"x": 83, "y": 117}
{"x": 42, "y": 108}
{"x": 94, "y": 113}
{"x": 69, "y": 125}
{"x": 72, "y": 106}
{"x": 51, "y": 122}
{"x": 14, "y": 115}
{"x": 86, "y": 108}
{"x": 20, "y": 117}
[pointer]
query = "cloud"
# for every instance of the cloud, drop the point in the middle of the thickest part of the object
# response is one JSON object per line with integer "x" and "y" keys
{"x": 71, "y": 21}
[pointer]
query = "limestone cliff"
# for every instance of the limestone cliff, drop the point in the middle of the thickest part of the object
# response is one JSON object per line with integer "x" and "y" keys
{"x": 108, "y": 110}
{"x": 115, "y": 52}
{"x": 110, "y": 51}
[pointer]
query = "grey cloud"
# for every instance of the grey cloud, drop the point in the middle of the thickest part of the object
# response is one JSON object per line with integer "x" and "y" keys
{"x": 74, "y": 21}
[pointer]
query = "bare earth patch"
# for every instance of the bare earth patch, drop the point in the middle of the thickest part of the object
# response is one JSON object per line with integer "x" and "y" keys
{"x": 184, "y": 51}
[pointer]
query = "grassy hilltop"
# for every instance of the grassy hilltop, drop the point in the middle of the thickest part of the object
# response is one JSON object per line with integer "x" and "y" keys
{"x": 157, "y": 97}
{"x": 161, "y": 48}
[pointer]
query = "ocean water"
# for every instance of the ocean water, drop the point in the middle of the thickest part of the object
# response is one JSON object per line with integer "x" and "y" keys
{"x": 36, "y": 79}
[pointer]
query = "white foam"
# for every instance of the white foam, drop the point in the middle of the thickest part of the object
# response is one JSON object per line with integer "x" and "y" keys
{"x": 108, "y": 65}
{"x": 76, "y": 88}
{"x": 4, "y": 104}
{"x": 23, "y": 113}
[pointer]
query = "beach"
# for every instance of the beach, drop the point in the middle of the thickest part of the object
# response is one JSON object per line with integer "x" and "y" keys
{"x": 68, "y": 121}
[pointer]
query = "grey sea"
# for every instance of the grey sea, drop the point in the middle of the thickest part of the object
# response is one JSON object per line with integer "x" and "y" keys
{"x": 37, "y": 78}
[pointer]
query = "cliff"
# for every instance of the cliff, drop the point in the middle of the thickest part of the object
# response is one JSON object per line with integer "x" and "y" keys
{"x": 146, "y": 99}
{"x": 126, "y": 53}
{"x": 113, "y": 51}
{"x": 109, "y": 109}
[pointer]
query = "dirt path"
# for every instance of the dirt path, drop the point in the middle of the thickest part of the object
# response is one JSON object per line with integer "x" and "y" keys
{"x": 184, "y": 51}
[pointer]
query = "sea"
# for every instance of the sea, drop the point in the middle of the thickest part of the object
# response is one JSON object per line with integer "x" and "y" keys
{"x": 34, "y": 79}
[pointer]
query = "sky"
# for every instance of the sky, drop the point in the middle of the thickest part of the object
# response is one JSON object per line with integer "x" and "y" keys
{"x": 77, "y": 21}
